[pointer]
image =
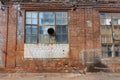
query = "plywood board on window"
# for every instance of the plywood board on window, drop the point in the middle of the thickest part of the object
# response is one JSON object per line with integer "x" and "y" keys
{"x": 117, "y": 34}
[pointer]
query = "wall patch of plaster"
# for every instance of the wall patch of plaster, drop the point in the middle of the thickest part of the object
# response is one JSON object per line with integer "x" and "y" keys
{"x": 46, "y": 50}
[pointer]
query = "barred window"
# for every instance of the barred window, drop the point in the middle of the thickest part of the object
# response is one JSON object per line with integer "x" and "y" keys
{"x": 46, "y": 27}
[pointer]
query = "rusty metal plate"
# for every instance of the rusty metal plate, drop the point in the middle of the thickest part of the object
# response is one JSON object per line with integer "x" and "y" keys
{"x": 46, "y": 50}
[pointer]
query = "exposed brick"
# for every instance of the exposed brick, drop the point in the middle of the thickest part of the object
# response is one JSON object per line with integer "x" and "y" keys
{"x": 81, "y": 37}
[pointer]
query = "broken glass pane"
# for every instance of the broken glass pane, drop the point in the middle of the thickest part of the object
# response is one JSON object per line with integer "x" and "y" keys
{"x": 108, "y": 21}
{"x": 44, "y": 36}
{"x": 44, "y": 29}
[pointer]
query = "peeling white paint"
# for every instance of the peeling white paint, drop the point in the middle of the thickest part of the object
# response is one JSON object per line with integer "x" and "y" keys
{"x": 46, "y": 50}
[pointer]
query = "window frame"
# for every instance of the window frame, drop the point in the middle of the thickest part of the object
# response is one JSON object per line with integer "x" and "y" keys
{"x": 38, "y": 26}
{"x": 113, "y": 26}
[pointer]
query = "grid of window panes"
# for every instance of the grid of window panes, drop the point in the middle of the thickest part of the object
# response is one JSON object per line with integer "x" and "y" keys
{"x": 110, "y": 33}
{"x": 38, "y": 23}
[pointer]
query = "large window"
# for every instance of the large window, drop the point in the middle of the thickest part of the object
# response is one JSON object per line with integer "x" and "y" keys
{"x": 46, "y": 27}
{"x": 110, "y": 34}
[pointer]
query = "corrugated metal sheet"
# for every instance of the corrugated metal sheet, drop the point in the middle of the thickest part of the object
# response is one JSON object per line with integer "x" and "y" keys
{"x": 46, "y": 50}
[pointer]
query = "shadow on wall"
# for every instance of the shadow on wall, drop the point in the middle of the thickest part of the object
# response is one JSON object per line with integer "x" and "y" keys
{"x": 98, "y": 67}
{"x": 91, "y": 58}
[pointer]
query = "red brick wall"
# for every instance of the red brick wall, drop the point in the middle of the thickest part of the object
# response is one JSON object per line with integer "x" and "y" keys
{"x": 82, "y": 36}
{"x": 3, "y": 33}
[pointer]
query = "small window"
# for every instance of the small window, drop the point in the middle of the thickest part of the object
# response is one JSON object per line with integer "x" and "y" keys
{"x": 108, "y": 21}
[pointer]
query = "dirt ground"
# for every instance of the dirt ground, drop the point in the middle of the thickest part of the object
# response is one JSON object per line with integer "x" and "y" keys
{"x": 60, "y": 76}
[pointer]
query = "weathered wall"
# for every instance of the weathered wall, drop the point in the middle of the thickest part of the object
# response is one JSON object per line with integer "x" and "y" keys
{"x": 80, "y": 30}
{"x": 83, "y": 30}
{"x": 11, "y": 37}
{"x": 3, "y": 31}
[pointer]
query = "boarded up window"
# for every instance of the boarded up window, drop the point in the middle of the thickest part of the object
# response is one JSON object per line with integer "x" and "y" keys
{"x": 110, "y": 33}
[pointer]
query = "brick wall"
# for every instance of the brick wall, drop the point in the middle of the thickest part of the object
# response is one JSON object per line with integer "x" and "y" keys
{"x": 84, "y": 33}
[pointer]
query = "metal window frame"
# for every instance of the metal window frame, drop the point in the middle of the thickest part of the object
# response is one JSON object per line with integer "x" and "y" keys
{"x": 38, "y": 25}
{"x": 112, "y": 29}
